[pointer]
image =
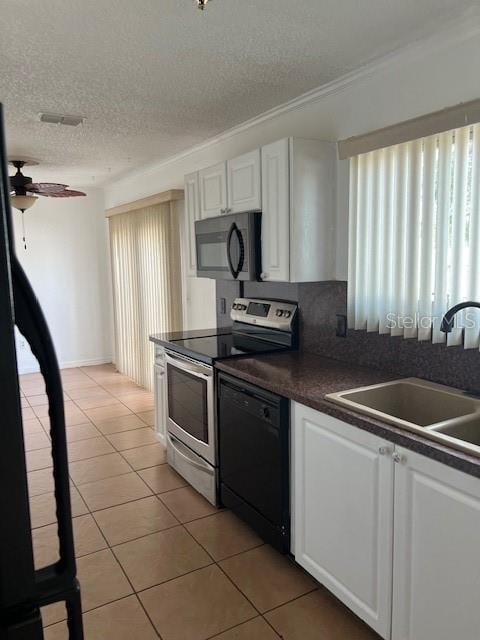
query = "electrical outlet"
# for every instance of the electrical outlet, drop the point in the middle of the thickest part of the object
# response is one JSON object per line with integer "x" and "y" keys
{"x": 222, "y": 306}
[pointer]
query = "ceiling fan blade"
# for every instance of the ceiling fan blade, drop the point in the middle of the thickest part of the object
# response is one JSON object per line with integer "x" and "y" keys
{"x": 65, "y": 193}
{"x": 45, "y": 188}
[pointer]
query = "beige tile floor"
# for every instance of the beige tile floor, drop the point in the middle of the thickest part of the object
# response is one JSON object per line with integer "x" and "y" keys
{"x": 154, "y": 559}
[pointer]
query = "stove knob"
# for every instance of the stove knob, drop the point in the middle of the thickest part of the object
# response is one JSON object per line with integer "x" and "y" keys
{"x": 243, "y": 307}
{"x": 287, "y": 314}
{"x": 266, "y": 412}
{"x": 279, "y": 313}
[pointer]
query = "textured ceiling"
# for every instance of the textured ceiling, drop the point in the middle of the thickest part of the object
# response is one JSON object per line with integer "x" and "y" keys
{"x": 154, "y": 77}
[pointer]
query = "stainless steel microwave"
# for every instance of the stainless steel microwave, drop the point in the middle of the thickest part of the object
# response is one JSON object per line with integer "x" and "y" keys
{"x": 229, "y": 246}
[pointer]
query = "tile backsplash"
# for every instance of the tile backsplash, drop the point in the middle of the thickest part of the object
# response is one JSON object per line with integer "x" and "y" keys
{"x": 320, "y": 302}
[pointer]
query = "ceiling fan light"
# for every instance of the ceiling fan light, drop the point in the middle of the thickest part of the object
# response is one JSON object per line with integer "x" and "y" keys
{"x": 22, "y": 203}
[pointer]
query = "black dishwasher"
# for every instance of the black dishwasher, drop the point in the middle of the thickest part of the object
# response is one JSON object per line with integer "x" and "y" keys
{"x": 254, "y": 446}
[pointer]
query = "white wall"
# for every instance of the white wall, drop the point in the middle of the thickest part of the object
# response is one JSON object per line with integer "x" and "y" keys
{"x": 427, "y": 76}
{"x": 66, "y": 262}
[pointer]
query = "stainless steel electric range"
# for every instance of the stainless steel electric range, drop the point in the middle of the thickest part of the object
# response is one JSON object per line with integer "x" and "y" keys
{"x": 259, "y": 326}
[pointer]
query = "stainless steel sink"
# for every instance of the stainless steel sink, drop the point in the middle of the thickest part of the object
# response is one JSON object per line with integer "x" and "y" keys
{"x": 438, "y": 412}
{"x": 466, "y": 430}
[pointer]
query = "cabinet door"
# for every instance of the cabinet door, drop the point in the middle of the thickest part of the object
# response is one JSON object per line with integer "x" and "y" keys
{"x": 343, "y": 484}
{"x": 276, "y": 211}
{"x": 436, "y": 551}
{"x": 243, "y": 181}
{"x": 192, "y": 213}
{"x": 213, "y": 190}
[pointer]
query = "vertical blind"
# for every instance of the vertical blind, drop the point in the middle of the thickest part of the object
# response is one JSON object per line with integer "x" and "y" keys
{"x": 147, "y": 285}
{"x": 414, "y": 237}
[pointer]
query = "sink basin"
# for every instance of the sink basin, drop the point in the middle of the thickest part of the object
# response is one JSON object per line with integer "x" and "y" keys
{"x": 467, "y": 431}
{"x": 438, "y": 412}
{"x": 414, "y": 401}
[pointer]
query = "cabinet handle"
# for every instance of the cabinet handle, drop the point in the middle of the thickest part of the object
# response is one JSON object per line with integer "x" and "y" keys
{"x": 398, "y": 458}
{"x": 384, "y": 451}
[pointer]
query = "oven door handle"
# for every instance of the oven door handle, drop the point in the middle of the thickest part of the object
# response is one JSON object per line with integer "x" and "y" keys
{"x": 183, "y": 452}
{"x": 241, "y": 259}
{"x": 189, "y": 367}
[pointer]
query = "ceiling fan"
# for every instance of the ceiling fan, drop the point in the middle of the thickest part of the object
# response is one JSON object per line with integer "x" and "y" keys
{"x": 22, "y": 190}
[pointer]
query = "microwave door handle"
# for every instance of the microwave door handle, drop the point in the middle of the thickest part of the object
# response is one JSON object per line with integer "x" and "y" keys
{"x": 241, "y": 259}
{"x": 229, "y": 255}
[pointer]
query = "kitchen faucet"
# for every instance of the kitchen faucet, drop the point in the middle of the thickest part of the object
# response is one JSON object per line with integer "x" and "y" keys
{"x": 448, "y": 318}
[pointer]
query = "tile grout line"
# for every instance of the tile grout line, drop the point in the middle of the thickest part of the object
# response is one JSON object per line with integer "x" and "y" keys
{"x": 180, "y": 524}
{"x": 118, "y": 400}
{"x": 91, "y": 457}
{"x": 114, "y": 555}
{"x": 109, "y": 548}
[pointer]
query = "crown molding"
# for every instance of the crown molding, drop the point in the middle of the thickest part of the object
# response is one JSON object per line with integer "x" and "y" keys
{"x": 461, "y": 28}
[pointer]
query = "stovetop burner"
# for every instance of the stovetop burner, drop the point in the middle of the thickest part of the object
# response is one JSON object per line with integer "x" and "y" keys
{"x": 259, "y": 326}
{"x": 211, "y": 348}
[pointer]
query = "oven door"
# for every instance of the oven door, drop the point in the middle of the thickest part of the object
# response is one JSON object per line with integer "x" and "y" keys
{"x": 190, "y": 402}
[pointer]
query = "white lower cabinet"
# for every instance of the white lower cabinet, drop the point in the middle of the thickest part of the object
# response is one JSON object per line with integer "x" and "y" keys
{"x": 160, "y": 392}
{"x": 344, "y": 512}
{"x": 436, "y": 587}
{"x": 393, "y": 534}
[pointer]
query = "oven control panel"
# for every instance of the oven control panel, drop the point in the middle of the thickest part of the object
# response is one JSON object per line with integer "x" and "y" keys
{"x": 275, "y": 314}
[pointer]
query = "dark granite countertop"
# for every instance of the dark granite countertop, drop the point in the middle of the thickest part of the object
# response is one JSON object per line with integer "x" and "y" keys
{"x": 163, "y": 339}
{"x": 307, "y": 378}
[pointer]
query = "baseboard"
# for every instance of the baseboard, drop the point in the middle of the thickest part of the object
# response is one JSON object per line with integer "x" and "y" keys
{"x": 85, "y": 363}
{"x": 71, "y": 364}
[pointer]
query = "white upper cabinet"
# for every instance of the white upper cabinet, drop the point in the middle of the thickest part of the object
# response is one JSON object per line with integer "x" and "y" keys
{"x": 213, "y": 190}
{"x": 343, "y": 487}
{"x": 436, "y": 551}
{"x": 244, "y": 183}
{"x": 292, "y": 181}
{"x": 298, "y": 210}
{"x": 276, "y": 211}
{"x": 192, "y": 213}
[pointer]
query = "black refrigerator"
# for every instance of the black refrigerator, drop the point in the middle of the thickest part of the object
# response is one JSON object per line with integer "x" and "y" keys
{"x": 24, "y": 590}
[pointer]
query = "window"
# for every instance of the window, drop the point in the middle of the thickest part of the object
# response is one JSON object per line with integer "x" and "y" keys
{"x": 147, "y": 287}
{"x": 414, "y": 238}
